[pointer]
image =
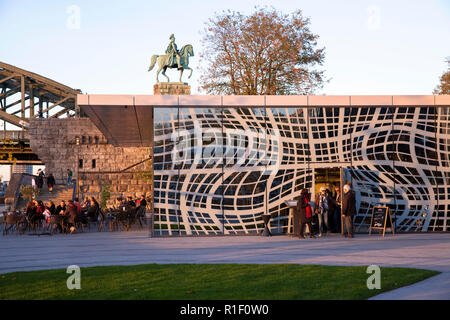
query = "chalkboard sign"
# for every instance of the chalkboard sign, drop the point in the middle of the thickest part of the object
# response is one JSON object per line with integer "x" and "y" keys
{"x": 381, "y": 219}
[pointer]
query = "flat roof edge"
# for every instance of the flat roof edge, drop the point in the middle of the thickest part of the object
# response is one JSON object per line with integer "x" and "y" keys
{"x": 262, "y": 101}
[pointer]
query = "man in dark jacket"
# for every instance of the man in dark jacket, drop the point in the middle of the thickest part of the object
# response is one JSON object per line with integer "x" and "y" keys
{"x": 61, "y": 208}
{"x": 40, "y": 178}
{"x": 142, "y": 201}
{"x": 348, "y": 210}
{"x": 337, "y": 209}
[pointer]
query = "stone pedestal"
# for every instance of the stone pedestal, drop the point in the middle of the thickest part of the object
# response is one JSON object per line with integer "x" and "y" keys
{"x": 172, "y": 88}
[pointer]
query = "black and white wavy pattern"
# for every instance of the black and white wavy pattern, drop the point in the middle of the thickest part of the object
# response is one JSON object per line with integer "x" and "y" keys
{"x": 218, "y": 169}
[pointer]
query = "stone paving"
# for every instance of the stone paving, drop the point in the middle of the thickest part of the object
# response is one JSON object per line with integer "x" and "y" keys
{"x": 427, "y": 250}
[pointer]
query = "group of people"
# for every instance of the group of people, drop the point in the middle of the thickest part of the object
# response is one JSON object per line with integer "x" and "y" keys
{"x": 129, "y": 203}
{"x": 39, "y": 180}
{"x": 39, "y": 213}
{"x": 72, "y": 210}
{"x": 328, "y": 209}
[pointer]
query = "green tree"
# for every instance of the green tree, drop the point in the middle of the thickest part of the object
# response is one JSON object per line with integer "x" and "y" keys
{"x": 105, "y": 194}
{"x": 444, "y": 85}
{"x": 147, "y": 172}
{"x": 266, "y": 52}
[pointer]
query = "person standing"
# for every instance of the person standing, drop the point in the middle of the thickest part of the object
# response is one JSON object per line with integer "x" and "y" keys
{"x": 322, "y": 211}
{"x": 69, "y": 177}
{"x": 50, "y": 182}
{"x": 142, "y": 201}
{"x": 305, "y": 213}
{"x": 348, "y": 210}
{"x": 331, "y": 209}
{"x": 40, "y": 179}
{"x": 337, "y": 209}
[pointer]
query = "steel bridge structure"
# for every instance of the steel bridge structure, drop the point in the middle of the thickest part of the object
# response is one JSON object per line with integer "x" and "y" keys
{"x": 25, "y": 95}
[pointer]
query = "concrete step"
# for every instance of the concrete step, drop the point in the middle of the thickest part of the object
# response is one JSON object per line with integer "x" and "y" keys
{"x": 60, "y": 192}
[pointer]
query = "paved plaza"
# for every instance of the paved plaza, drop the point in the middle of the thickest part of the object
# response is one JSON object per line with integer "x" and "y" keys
{"x": 428, "y": 251}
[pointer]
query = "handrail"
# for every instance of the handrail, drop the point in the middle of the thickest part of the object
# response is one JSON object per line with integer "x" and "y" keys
{"x": 136, "y": 164}
{"x": 120, "y": 171}
{"x": 12, "y": 193}
{"x": 74, "y": 193}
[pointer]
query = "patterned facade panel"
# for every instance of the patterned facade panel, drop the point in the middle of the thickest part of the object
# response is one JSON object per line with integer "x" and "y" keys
{"x": 441, "y": 220}
{"x": 217, "y": 170}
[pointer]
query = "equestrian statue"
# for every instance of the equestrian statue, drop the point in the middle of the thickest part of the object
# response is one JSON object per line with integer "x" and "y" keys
{"x": 173, "y": 59}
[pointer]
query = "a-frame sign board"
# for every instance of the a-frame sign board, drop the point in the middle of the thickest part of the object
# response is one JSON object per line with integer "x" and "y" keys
{"x": 381, "y": 219}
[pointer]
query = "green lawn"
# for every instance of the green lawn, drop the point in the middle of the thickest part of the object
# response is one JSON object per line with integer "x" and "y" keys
{"x": 207, "y": 281}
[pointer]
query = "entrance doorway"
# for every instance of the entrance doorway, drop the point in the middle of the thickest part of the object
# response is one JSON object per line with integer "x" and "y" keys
{"x": 330, "y": 179}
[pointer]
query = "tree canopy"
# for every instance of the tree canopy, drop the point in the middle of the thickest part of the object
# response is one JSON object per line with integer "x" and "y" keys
{"x": 444, "y": 82}
{"x": 266, "y": 52}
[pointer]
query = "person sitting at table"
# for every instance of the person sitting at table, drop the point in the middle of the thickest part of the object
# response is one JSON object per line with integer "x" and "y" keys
{"x": 61, "y": 208}
{"x": 116, "y": 203}
{"x": 78, "y": 206}
{"x": 130, "y": 203}
{"x": 73, "y": 216}
{"x": 51, "y": 207}
{"x": 93, "y": 209}
{"x": 30, "y": 210}
{"x": 85, "y": 205}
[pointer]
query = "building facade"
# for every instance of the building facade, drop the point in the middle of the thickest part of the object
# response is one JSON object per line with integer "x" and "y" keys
{"x": 78, "y": 145}
{"x": 222, "y": 162}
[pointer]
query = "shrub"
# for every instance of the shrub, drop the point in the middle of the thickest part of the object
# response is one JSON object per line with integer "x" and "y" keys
{"x": 28, "y": 192}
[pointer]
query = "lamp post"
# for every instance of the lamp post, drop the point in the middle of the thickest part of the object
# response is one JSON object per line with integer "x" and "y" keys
{"x": 77, "y": 142}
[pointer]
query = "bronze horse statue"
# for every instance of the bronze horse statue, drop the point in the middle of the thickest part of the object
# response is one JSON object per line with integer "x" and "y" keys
{"x": 164, "y": 62}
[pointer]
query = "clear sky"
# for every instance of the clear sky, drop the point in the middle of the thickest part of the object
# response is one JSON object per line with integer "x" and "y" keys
{"x": 372, "y": 47}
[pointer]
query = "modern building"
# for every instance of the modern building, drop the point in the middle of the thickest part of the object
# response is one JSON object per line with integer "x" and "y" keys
{"x": 220, "y": 162}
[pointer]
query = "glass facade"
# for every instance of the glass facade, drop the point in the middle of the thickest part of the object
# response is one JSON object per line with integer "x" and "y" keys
{"x": 218, "y": 169}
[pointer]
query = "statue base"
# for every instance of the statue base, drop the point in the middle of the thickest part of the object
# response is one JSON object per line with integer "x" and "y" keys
{"x": 171, "y": 88}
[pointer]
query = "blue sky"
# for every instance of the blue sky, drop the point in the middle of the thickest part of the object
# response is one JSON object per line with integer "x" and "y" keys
{"x": 372, "y": 47}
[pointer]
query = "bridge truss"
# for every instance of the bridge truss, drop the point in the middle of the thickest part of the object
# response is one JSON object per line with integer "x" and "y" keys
{"x": 25, "y": 95}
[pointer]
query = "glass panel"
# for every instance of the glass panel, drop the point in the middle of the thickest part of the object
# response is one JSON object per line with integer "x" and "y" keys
{"x": 441, "y": 217}
{"x": 166, "y": 175}
{"x": 412, "y": 154}
{"x": 217, "y": 170}
{"x": 288, "y": 172}
{"x": 200, "y": 163}
{"x": 328, "y": 126}
{"x": 371, "y": 144}
{"x": 244, "y": 175}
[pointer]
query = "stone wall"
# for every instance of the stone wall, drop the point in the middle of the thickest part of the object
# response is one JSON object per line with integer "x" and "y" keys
{"x": 121, "y": 185}
{"x": 171, "y": 88}
{"x": 54, "y": 141}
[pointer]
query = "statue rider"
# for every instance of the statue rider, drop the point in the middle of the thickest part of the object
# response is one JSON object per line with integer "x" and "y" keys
{"x": 172, "y": 49}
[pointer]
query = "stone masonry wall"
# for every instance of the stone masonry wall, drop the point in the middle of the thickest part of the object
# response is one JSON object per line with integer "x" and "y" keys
{"x": 54, "y": 141}
{"x": 171, "y": 88}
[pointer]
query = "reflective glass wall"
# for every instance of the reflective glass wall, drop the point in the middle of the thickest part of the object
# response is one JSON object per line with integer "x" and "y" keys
{"x": 218, "y": 169}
